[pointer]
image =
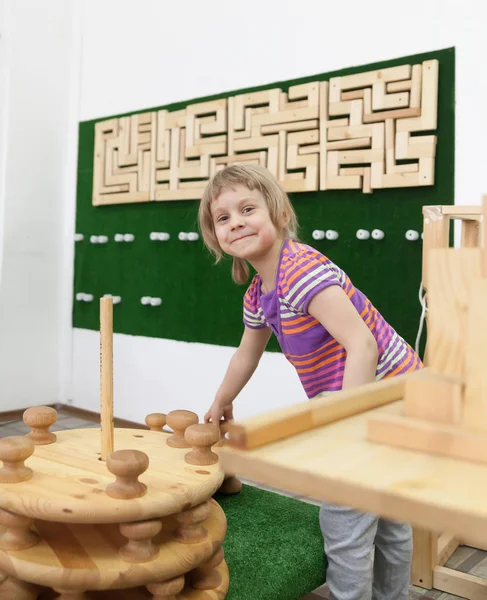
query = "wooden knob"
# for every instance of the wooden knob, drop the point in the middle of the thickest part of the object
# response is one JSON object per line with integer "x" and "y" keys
{"x": 206, "y": 577}
{"x": 179, "y": 421}
{"x": 17, "y": 534}
{"x": 39, "y": 419}
{"x": 155, "y": 421}
{"x": 14, "y": 451}
{"x": 127, "y": 465}
{"x": 190, "y": 530}
{"x": 166, "y": 590}
{"x": 13, "y": 589}
{"x": 202, "y": 437}
{"x": 140, "y": 547}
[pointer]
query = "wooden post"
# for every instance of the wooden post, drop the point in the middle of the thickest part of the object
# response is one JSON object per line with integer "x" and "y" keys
{"x": 483, "y": 242}
{"x": 106, "y": 376}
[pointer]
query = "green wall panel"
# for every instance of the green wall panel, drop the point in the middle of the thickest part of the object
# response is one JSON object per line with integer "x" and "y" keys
{"x": 200, "y": 303}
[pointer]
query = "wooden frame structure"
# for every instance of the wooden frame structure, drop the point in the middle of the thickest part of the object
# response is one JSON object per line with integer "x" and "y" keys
{"x": 413, "y": 447}
{"x": 431, "y": 551}
{"x": 369, "y": 130}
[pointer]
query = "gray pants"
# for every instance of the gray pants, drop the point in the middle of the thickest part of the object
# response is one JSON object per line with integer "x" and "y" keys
{"x": 350, "y": 537}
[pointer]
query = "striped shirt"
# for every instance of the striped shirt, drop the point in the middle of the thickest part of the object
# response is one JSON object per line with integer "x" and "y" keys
{"x": 317, "y": 357}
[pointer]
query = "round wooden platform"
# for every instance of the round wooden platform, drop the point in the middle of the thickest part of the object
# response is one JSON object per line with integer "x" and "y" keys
{"x": 141, "y": 593}
{"x": 87, "y": 557}
{"x": 69, "y": 480}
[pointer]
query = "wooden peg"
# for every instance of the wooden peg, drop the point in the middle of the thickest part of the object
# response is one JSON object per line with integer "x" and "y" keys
{"x": 127, "y": 465}
{"x": 155, "y": 421}
{"x": 206, "y": 577}
{"x": 190, "y": 530}
{"x": 14, "y": 589}
{"x": 179, "y": 421}
{"x": 39, "y": 419}
{"x": 17, "y": 534}
{"x": 166, "y": 590}
{"x": 140, "y": 547}
{"x": 231, "y": 484}
{"x": 14, "y": 451}
{"x": 106, "y": 377}
{"x": 202, "y": 437}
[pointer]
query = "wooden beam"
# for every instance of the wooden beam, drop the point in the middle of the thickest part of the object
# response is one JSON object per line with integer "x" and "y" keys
{"x": 280, "y": 424}
{"x": 446, "y": 546}
{"x": 460, "y": 584}
{"x": 424, "y": 557}
{"x": 430, "y": 437}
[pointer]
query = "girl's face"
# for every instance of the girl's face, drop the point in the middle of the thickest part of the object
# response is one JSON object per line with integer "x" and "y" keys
{"x": 242, "y": 223}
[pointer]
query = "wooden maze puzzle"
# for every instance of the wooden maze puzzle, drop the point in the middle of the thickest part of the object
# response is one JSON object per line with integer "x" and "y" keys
{"x": 364, "y": 131}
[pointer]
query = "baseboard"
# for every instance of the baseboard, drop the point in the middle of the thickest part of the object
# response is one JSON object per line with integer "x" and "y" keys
{"x": 73, "y": 411}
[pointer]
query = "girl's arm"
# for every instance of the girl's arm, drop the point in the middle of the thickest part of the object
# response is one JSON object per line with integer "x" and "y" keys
{"x": 241, "y": 368}
{"x": 334, "y": 310}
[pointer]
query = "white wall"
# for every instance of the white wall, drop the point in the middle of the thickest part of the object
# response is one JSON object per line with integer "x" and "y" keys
{"x": 160, "y": 53}
{"x": 35, "y": 142}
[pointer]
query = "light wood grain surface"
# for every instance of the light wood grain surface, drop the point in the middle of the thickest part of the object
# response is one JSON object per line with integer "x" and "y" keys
{"x": 86, "y": 557}
{"x": 336, "y": 463}
{"x": 69, "y": 480}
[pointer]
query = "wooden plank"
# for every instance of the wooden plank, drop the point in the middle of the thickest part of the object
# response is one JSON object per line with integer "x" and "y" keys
{"x": 436, "y": 232}
{"x": 277, "y": 425}
{"x": 424, "y": 557}
{"x": 425, "y": 436}
{"x": 447, "y": 544}
{"x": 470, "y": 234}
{"x": 475, "y": 404}
{"x": 434, "y": 397}
{"x": 460, "y": 584}
{"x": 456, "y": 209}
{"x": 451, "y": 275}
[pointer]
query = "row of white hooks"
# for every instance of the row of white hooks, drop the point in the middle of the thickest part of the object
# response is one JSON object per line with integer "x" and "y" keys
{"x": 363, "y": 234}
{"x": 145, "y": 300}
{"x": 159, "y": 236}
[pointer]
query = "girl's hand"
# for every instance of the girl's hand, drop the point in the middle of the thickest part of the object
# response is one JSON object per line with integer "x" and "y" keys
{"x": 216, "y": 413}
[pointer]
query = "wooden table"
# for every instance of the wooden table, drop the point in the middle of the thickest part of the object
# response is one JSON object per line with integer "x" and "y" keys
{"x": 336, "y": 463}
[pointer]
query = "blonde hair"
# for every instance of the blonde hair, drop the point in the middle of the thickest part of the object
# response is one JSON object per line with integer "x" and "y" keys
{"x": 253, "y": 177}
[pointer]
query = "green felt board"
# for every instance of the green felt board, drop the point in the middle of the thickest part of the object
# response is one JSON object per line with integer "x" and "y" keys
{"x": 274, "y": 546}
{"x": 200, "y": 301}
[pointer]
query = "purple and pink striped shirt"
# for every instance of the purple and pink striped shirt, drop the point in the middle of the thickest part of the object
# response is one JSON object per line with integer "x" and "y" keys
{"x": 317, "y": 357}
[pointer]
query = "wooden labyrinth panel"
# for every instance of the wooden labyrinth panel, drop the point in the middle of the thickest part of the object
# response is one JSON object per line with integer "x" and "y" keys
{"x": 366, "y": 131}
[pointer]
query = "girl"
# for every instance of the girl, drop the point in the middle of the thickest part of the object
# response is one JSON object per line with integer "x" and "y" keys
{"x": 331, "y": 334}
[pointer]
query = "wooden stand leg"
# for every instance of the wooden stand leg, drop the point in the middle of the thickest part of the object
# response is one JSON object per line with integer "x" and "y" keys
{"x": 206, "y": 577}
{"x": 190, "y": 530}
{"x": 14, "y": 589}
{"x": 166, "y": 590}
{"x": 425, "y": 544}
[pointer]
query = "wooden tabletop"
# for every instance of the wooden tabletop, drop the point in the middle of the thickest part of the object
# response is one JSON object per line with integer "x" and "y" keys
{"x": 69, "y": 480}
{"x": 336, "y": 463}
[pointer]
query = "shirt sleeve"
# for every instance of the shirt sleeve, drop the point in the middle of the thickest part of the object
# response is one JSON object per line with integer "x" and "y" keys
{"x": 253, "y": 315}
{"x": 307, "y": 273}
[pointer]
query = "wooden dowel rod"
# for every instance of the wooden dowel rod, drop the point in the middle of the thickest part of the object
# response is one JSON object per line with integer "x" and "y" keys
{"x": 483, "y": 237}
{"x": 277, "y": 425}
{"x": 106, "y": 376}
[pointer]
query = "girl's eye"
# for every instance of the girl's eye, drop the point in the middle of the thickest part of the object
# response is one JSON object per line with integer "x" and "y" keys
{"x": 221, "y": 219}
{"x": 248, "y": 209}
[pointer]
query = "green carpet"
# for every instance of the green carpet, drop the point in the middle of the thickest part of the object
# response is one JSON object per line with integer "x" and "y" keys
{"x": 274, "y": 546}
